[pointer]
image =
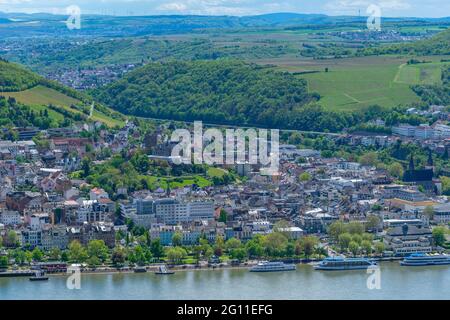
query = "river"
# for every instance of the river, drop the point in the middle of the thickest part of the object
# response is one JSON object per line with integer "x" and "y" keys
{"x": 306, "y": 283}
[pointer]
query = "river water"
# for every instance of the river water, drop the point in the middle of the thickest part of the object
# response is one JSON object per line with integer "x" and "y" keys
{"x": 396, "y": 282}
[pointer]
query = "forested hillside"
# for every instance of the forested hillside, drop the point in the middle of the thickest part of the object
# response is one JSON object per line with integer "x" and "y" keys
{"x": 15, "y": 78}
{"x": 222, "y": 91}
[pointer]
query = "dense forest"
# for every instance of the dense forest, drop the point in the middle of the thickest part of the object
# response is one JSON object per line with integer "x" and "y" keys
{"x": 436, "y": 94}
{"x": 437, "y": 45}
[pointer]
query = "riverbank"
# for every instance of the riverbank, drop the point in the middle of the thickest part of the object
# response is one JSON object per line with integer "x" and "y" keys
{"x": 177, "y": 268}
{"x": 397, "y": 282}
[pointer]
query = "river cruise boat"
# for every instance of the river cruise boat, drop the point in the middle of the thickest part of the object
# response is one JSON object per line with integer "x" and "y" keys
{"x": 340, "y": 263}
{"x": 421, "y": 259}
{"x": 163, "y": 270}
{"x": 39, "y": 276}
{"x": 266, "y": 266}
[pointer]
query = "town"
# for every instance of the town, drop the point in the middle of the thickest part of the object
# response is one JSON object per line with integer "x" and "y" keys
{"x": 113, "y": 199}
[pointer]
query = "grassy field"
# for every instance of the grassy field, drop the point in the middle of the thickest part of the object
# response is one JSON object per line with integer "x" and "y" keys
{"x": 39, "y": 97}
{"x": 424, "y": 73}
{"x": 352, "y": 83}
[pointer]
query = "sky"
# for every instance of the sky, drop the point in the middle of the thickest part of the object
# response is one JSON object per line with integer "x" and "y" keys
{"x": 389, "y": 8}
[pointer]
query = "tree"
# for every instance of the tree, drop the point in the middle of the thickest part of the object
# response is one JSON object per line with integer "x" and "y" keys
{"x": 372, "y": 222}
{"x": 429, "y": 212}
{"x": 254, "y": 247}
{"x": 37, "y": 254}
{"x": 305, "y": 177}
{"x": 219, "y": 245}
{"x": 344, "y": 241}
{"x": 379, "y": 247}
{"x": 156, "y": 248}
{"x": 176, "y": 254}
{"x": 118, "y": 256}
{"x": 97, "y": 249}
{"x": 1, "y": 242}
{"x": 308, "y": 244}
{"x": 12, "y": 238}
{"x": 369, "y": 159}
{"x": 86, "y": 166}
{"x": 275, "y": 244}
{"x": 233, "y": 243}
{"x": 177, "y": 239}
{"x": 223, "y": 216}
{"x": 336, "y": 229}
{"x": 439, "y": 235}
{"x": 353, "y": 247}
{"x": 366, "y": 246}
{"x": 357, "y": 238}
{"x": 19, "y": 256}
{"x": 238, "y": 254}
{"x": 77, "y": 253}
{"x": 55, "y": 254}
{"x": 396, "y": 170}
{"x": 3, "y": 262}
{"x": 355, "y": 227}
{"x": 140, "y": 255}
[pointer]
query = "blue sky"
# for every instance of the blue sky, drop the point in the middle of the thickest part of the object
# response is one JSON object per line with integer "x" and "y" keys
{"x": 397, "y": 8}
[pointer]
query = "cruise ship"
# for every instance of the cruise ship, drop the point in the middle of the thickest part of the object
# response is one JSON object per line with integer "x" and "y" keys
{"x": 421, "y": 259}
{"x": 340, "y": 263}
{"x": 267, "y": 266}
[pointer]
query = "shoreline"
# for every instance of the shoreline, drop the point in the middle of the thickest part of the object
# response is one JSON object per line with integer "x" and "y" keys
{"x": 151, "y": 269}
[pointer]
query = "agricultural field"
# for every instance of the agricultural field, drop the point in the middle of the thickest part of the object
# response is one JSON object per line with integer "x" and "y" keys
{"x": 41, "y": 95}
{"x": 352, "y": 83}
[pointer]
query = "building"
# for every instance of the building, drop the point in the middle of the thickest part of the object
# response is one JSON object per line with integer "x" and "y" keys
{"x": 10, "y": 218}
{"x": 94, "y": 231}
{"x": 172, "y": 211}
{"x": 423, "y": 177}
{"x": 442, "y": 213}
{"x": 406, "y": 239}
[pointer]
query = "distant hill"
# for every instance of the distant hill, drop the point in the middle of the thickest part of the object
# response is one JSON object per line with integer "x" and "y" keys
{"x": 436, "y": 45}
{"x": 221, "y": 91}
{"x": 122, "y": 26}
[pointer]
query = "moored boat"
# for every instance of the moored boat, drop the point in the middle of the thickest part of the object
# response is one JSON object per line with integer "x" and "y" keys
{"x": 340, "y": 263}
{"x": 266, "y": 266}
{"x": 39, "y": 276}
{"x": 421, "y": 259}
{"x": 163, "y": 270}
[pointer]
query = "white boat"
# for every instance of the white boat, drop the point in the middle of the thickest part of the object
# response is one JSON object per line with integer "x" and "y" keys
{"x": 420, "y": 259}
{"x": 266, "y": 266}
{"x": 163, "y": 270}
{"x": 340, "y": 263}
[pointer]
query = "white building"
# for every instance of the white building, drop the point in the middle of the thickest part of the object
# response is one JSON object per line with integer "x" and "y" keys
{"x": 10, "y": 218}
